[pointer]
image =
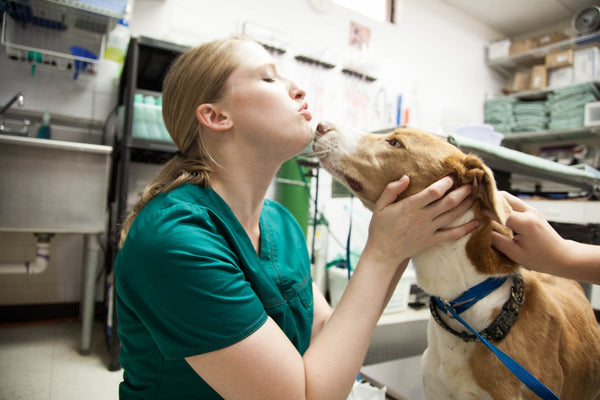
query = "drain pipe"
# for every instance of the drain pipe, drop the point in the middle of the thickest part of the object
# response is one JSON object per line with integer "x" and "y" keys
{"x": 42, "y": 253}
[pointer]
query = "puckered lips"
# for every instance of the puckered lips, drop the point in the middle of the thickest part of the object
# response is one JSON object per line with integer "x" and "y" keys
{"x": 304, "y": 111}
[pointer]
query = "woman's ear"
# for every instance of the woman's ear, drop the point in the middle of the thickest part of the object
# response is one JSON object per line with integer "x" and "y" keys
{"x": 212, "y": 117}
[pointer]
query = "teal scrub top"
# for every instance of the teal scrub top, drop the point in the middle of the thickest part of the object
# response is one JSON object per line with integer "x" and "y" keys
{"x": 188, "y": 281}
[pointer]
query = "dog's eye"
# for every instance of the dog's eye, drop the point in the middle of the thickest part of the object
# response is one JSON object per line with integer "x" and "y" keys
{"x": 395, "y": 143}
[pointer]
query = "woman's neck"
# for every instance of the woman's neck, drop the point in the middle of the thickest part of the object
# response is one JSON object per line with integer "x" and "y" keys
{"x": 244, "y": 192}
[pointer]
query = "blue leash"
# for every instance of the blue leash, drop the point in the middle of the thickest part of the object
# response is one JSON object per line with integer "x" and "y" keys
{"x": 348, "y": 251}
{"x": 469, "y": 298}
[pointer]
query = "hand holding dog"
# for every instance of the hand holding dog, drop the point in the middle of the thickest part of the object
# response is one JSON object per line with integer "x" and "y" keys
{"x": 401, "y": 229}
{"x": 538, "y": 246}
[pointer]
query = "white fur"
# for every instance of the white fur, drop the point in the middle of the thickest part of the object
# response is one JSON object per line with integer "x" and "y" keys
{"x": 445, "y": 271}
{"x": 446, "y": 361}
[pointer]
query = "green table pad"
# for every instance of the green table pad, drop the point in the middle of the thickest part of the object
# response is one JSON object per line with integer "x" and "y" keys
{"x": 513, "y": 161}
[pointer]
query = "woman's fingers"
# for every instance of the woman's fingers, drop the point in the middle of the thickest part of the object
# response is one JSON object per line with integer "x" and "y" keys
{"x": 451, "y": 234}
{"x": 434, "y": 192}
{"x": 503, "y": 244}
{"x": 514, "y": 202}
{"x": 453, "y": 213}
{"x": 391, "y": 192}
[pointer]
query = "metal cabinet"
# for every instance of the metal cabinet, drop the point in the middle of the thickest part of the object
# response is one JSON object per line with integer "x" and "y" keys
{"x": 143, "y": 73}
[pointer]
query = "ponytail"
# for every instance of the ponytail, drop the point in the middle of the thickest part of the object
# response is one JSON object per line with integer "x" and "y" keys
{"x": 175, "y": 173}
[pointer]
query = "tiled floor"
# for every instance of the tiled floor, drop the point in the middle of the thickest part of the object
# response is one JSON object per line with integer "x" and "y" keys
{"x": 42, "y": 362}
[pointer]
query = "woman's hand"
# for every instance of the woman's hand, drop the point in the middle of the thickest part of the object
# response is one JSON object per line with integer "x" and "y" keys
{"x": 399, "y": 230}
{"x": 535, "y": 243}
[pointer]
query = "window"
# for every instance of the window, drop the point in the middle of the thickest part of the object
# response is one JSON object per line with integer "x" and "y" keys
{"x": 379, "y": 10}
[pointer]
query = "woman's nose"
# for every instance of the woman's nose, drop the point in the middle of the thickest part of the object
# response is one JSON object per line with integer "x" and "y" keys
{"x": 297, "y": 93}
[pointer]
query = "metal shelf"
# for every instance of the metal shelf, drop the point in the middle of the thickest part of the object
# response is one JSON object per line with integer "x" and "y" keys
{"x": 541, "y": 94}
{"x": 149, "y": 146}
{"x": 550, "y": 135}
{"x": 63, "y": 33}
{"x": 144, "y": 70}
{"x": 29, "y": 37}
{"x": 98, "y": 16}
{"x": 507, "y": 65}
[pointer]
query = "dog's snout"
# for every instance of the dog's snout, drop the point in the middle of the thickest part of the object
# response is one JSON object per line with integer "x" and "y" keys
{"x": 324, "y": 127}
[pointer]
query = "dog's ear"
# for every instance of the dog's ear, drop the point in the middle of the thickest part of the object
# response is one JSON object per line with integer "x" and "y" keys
{"x": 484, "y": 185}
{"x": 471, "y": 170}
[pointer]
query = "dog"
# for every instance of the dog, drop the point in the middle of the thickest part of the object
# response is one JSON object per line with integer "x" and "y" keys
{"x": 543, "y": 322}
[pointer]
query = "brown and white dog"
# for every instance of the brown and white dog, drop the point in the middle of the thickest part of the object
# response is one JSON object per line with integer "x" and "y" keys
{"x": 552, "y": 329}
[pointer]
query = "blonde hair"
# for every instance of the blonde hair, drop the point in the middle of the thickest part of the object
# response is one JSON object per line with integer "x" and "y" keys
{"x": 198, "y": 76}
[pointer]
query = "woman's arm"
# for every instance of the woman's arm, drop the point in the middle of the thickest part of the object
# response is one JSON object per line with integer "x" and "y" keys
{"x": 266, "y": 365}
{"x": 538, "y": 246}
{"x": 321, "y": 311}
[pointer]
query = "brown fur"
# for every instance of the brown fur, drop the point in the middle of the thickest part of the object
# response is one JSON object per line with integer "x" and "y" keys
{"x": 470, "y": 169}
{"x": 555, "y": 338}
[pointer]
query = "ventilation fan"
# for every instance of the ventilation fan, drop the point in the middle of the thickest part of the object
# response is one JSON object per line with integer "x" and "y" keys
{"x": 587, "y": 20}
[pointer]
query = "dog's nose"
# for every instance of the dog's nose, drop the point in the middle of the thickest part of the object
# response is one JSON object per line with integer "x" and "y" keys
{"x": 324, "y": 127}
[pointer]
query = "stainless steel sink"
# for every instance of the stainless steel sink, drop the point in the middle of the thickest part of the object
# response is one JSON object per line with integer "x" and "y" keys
{"x": 52, "y": 186}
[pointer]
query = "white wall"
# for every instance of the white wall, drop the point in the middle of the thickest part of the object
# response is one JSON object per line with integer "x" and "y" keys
{"x": 434, "y": 57}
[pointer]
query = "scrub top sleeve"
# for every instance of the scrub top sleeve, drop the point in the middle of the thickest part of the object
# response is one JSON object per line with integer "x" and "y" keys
{"x": 191, "y": 293}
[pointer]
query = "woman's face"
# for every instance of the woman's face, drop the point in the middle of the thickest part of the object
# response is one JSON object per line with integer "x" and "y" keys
{"x": 268, "y": 110}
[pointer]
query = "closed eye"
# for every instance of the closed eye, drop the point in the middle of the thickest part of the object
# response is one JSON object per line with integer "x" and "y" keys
{"x": 395, "y": 143}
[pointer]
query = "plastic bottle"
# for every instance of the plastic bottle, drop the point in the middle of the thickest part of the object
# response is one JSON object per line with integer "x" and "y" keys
{"x": 117, "y": 42}
{"x": 164, "y": 133}
{"x": 151, "y": 118}
{"x": 140, "y": 126}
{"x": 44, "y": 132}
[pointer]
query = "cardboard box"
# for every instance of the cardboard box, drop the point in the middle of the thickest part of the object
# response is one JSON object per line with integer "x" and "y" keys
{"x": 499, "y": 49}
{"x": 522, "y": 45}
{"x": 539, "y": 77}
{"x": 551, "y": 38}
{"x": 560, "y": 77}
{"x": 559, "y": 59}
{"x": 586, "y": 65}
{"x": 521, "y": 81}
{"x": 591, "y": 116}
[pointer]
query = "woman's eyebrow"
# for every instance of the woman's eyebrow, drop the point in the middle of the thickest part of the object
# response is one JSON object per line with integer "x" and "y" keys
{"x": 269, "y": 66}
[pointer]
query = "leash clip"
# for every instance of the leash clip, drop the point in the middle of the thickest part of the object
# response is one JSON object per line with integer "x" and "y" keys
{"x": 447, "y": 308}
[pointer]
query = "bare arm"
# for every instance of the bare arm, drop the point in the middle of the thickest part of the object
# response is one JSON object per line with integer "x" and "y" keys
{"x": 266, "y": 365}
{"x": 321, "y": 311}
{"x": 538, "y": 246}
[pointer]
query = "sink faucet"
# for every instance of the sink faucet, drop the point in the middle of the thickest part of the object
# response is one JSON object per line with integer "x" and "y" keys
{"x": 17, "y": 97}
{"x": 20, "y": 99}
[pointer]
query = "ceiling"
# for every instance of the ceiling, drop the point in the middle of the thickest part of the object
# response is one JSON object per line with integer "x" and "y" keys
{"x": 517, "y": 17}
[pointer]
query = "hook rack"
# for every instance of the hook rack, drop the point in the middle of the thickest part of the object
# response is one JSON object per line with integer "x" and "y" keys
{"x": 311, "y": 60}
{"x": 358, "y": 75}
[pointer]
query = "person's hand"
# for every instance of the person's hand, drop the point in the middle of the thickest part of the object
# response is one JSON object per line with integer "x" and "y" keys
{"x": 535, "y": 244}
{"x": 399, "y": 230}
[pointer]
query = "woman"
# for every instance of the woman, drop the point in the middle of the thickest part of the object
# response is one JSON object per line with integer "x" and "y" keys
{"x": 214, "y": 294}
